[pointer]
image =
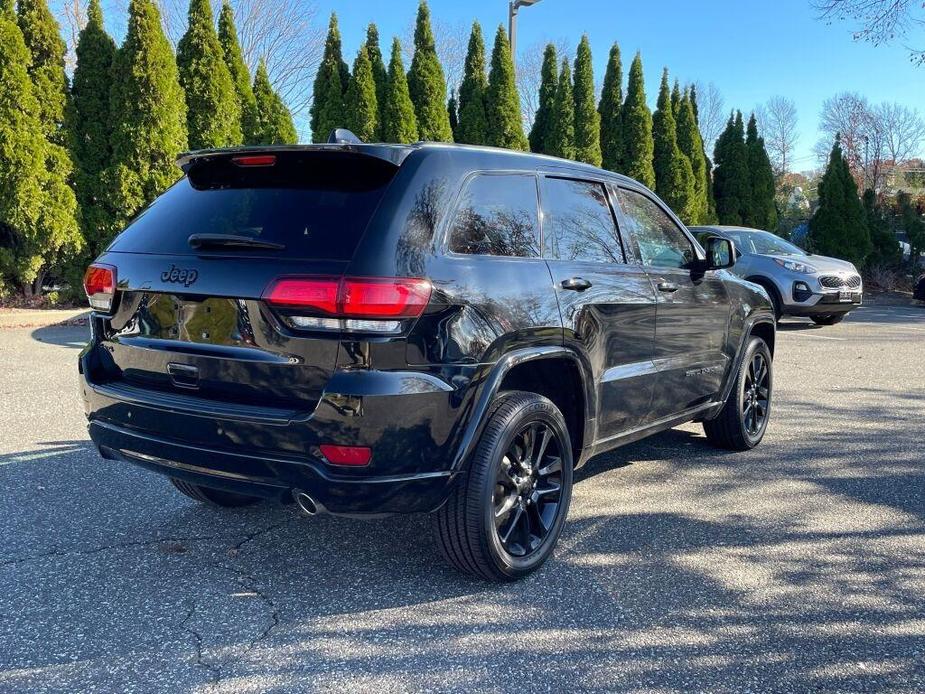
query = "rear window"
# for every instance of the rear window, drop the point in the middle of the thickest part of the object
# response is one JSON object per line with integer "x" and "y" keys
{"x": 316, "y": 204}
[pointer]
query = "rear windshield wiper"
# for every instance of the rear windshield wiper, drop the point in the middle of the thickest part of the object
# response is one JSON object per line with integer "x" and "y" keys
{"x": 231, "y": 241}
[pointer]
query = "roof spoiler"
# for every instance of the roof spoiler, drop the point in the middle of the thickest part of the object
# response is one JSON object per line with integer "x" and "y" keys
{"x": 392, "y": 154}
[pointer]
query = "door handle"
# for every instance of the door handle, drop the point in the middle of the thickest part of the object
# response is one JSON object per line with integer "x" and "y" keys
{"x": 667, "y": 287}
{"x": 577, "y": 284}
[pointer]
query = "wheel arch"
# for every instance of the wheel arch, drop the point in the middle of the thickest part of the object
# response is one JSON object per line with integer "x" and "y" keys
{"x": 770, "y": 286}
{"x": 554, "y": 372}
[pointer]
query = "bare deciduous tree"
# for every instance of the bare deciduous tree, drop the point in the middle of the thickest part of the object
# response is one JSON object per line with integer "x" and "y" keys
{"x": 72, "y": 16}
{"x": 877, "y": 21}
{"x": 777, "y": 118}
{"x": 711, "y": 114}
{"x": 903, "y": 131}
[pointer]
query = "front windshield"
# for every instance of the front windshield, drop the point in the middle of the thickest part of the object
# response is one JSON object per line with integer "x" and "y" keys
{"x": 762, "y": 243}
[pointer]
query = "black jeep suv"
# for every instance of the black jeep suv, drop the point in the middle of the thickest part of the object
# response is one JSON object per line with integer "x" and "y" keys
{"x": 373, "y": 329}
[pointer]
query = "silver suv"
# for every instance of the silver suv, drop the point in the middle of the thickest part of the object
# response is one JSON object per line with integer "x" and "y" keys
{"x": 800, "y": 283}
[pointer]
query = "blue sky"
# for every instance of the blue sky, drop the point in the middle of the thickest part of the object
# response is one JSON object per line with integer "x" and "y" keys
{"x": 750, "y": 50}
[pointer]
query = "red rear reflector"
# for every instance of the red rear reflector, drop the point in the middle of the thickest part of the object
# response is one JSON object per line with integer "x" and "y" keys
{"x": 346, "y": 455}
{"x": 352, "y": 297}
{"x": 100, "y": 285}
{"x": 255, "y": 160}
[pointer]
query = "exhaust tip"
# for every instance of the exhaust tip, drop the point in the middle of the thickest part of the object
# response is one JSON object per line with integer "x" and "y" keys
{"x": 306, "y": 504}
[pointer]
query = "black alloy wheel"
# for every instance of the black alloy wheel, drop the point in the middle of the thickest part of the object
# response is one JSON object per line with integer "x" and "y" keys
{"x": 528, "y": 489}
{"x": 756, "y": 394}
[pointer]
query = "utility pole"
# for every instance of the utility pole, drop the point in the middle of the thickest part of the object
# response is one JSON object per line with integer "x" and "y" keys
{"x": 513, "y": 7}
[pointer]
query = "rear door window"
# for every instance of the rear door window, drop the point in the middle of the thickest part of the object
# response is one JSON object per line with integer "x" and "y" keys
{"x": 578, "y": 223}
{"x": 317, "y": 205}
{"x": 497, "y": 215}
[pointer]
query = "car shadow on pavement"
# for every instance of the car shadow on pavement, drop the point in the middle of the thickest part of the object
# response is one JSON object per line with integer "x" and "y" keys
{"x": 75, "y": 336}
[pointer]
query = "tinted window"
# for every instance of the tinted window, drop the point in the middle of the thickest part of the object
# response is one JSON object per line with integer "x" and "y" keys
{"x": 497, "y": 216}
{"x": 318, "y": 207}
{"x": 578, "y": 223}
{"x": 661, "y": 242}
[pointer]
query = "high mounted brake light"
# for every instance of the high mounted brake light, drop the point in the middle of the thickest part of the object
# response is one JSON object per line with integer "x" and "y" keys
{"x": 366, "y": 299}
{"x": 100, "y": 286}
{"x": 255, "y": 160}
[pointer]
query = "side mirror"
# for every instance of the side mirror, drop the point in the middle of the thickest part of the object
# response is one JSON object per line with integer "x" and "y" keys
{"x": 721, "y": 253}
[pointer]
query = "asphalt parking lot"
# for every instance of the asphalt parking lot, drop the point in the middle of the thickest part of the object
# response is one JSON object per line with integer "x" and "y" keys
{"x": 797, "y": 566}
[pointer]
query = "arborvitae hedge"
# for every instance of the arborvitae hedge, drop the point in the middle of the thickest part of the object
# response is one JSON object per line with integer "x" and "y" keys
{"x": 674, "y": 178}
{"x": 452, "y": 109}
{"x": 90, "y": 128}
{"x": 426, "y": 83}
{"x": 637, "y": 129}
{"x": 213, "y": 116}
{"x": 473, "y": 122}
{"x": 274, "y": 122}
{"x": 362, "y": 106}
{"x": 560, "y": 142}
{"x": 542, "y": 119}
{"x": 761, "y": 176}
{"x": 587, "y": 119}
{"x": 610, "y": 110}
{"x": 502, "y": 103}
{"x": 731, "y": 180}
{"x": 691, "y": 145}
{"x": 57, "y": 232}
{"x": 328, "y": 106}
{"x": 149, "y": 114}
{"x": 379, "y": 73}
{"x": 22, "y": 160}
{"x": 240, "y": 74}
{"x": 839, "y": 226}
{"x": 400, "y": 123}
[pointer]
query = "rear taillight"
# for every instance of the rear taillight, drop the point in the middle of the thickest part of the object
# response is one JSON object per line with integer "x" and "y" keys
{"x": 100, "y": 286}
{"x": 352, "y": 303}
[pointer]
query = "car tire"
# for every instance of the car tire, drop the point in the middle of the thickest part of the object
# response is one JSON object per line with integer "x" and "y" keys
{"x": 831, "y": 319}
{"x": 504, "y": 517}
{"x": 212, "y": 497}
{"x": 742, "y": 422}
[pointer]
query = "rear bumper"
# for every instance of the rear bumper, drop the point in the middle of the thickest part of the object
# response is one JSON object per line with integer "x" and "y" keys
{"x": 273, "y": 477}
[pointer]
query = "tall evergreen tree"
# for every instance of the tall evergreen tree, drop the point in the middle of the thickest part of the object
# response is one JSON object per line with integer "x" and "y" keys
{"x": 711, "y": 201}
{"x": 328, "y": 105}
{"x": 452, "y": 108}
{"x": 240, "y": 74}
{"x": 610, "y": 111}
{"x": 22, "y": 160}
{"x": 542, "y": 119}
{"x": 674, "y": 177}
{"x": 691, "y": 145}
{"x": 587, "y": 119}
{"x": 274, "y": 122}
{"x": 148, "y": 111}
{"x": 731, "y": 180}
{"x": 213, "y": 116}
{"x": 400, "y": 123}
{"x": 57, "y": 221}
{"x": 90, "y": 128}
{"x": 838, "y": 227}
{"x": 676, "y": 100}
{"x": 560, "y": 141}
{"x": 473, "y": 121}
{"x": 885, "y": 251}
{"x": 380, "y": 76}
{"x": 761, "y": 177}
{"x": 362, "y": 107}
{"x": 502, "y": 103}
{"x": 637, "y": 129}
{"x": 426, "y": 83}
